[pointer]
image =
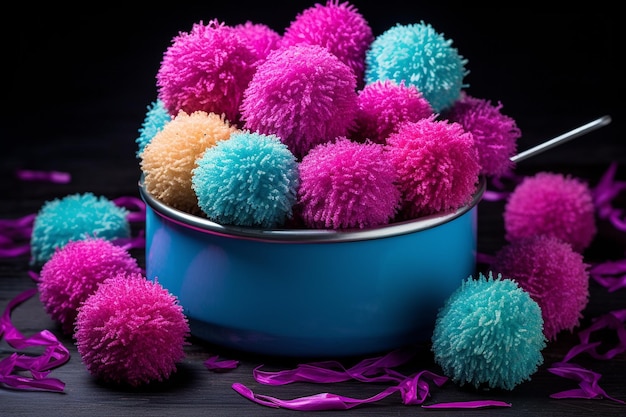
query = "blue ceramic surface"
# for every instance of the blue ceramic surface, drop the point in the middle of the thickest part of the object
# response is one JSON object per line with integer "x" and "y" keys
{"x": 310, "y": 293}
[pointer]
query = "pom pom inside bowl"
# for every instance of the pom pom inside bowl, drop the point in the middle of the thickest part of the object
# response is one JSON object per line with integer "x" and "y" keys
{"x": 310, "y": 292}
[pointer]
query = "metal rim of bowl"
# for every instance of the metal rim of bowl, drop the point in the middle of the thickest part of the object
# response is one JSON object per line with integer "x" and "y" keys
{"x": 308, "y": 235}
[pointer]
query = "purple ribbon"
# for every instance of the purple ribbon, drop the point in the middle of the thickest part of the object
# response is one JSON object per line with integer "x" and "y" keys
{"x": 56, "y": 177}
{"x": 604, "y": 193}
{"x": 215, "y": 364}
{"x": 610, "y": 274}
{"x": 15, "y": 236}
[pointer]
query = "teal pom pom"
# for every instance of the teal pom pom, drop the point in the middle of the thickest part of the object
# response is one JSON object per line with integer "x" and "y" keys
{"x": 251, "y": 179}
{"x": 156, "y": 117}
{"x": 419, "y": 56}
{"x": 489, "y": 333}
{"x": 75, "y": 217}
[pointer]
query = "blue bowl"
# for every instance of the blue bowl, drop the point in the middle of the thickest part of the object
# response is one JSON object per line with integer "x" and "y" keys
{"x": 311, "y": 293}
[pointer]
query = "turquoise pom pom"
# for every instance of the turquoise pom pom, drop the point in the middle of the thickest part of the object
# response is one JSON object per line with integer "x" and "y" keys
{"x": 250, "y": 179}
{"x": 156, "y": 117}
{"x": 419, "y": 56}
{"x": 489, "y": 333}
{"x": 75, "y": 217}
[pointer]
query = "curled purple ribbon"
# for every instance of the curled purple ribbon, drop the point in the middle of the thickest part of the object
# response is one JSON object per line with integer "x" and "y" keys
{"x": 610, "y": 274}
{"x": 15, "y": 236}
{"x": 56, "y": 177}
{"x": 604, "y": 193}
{"x": 214, "y": 363}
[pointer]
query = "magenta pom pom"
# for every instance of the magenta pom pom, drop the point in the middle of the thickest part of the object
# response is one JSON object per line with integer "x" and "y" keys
{"x": 437, "y": 165}
{"x": 304, "y": 95}
{"x": 260, "y": 38}
{"x": 131, "y": 331}
{"x": 383, "y": 105}
{"x": 339, "y": 27}
{"x": 495, "y": 133}
{"x": 75, "y": 271}
{"x": 206, "y": 69}
{"x": 553, "y": 274}
{"x": 552, "y": 204}
{"x": 346, "y": 184}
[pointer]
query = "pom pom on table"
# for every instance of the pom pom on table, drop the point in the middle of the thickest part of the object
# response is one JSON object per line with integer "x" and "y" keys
{"x": 208, "y": 69}
{"x": 339, "y": 27}
{"x": 131, "y": 331}
{"x": 489, "y": 334}
{"x": 168, "y": 161}
{"x": 156, "y": 117}
{"x": 554, "y": 275}
{"x": 383, "y": 105}
{"x": 345, "y": 184}
{"x": 75, "y": 217}
{"x": 420, "y": 56}
{"x": 495, "y": 133}
{"x": 260, "y": 38}
{"x": 437, "y": 166}
{"x": 249, "y": 180}
{"x": 74, "y": 272}
{"x": 553, "y": 204}
{"x": 304, "y": 95}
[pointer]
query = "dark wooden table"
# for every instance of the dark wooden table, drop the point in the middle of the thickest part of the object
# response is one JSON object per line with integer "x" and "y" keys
{"x": 77, "y": 94}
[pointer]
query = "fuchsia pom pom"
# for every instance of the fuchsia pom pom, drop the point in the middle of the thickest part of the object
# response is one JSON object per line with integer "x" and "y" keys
{"x": 553, "y": 274}
{"x": 383, "y": 105}
{"x": 304, "y": 95}
{"x": 206, "y": 69}
{"x": 346, "y": 184}
{"x": 131, "y": 331}
{"x": 75, "y": 271}
{"x": 260, "y": 38}
{"x": 495, "y": 134}
{"x": 340, "y": 28}
{"x": 437, "y": 165}
{"x": 553, "y": 204}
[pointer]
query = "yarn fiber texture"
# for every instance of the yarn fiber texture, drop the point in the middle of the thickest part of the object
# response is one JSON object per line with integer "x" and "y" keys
{"x": 156, "y": 117}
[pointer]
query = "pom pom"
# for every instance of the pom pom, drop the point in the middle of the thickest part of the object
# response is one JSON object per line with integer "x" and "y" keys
{"x": 437, "y": 165}
{"x": 156, "y": 117}
{"x": 74, "y": 272}
{"x": 304, "y": 95}
{"x": 260, "y": 38}
{"x": 489, "y": 334}
{"x": 249, "y": 180}
{"x": 495, "y": 134}
{"x": 554, "y": 204}
{"x": 553, "y": 274}
{"x": 339, "y": 27}
{"x": 75, "y": 217}
{"x": 131, "y": 331}
{"x": 345, "y": 184}
{"x": 418, "y": 55}
{"x": 169, "y": 159}
{"x": 206, "y": 69}
{"x": 382, "y": 106}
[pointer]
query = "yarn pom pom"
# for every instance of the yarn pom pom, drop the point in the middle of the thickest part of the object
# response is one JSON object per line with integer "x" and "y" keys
{"x": 347, "y": 184}
{"x": 489, "y": 334}
{"x": 420, "y": 56}
{"x": 249, "y": 180}
{"x": 339, "y": 27}
{"x": 437, "y": 165}
{"x": 260, "y": 38}
{"x": 206, "y": 69}
{"x": 168, "y": 161}
{"x": 304, "y": 95}
{"x": 75, "y": 271}
{"x": 75, "y": 217}
{"x": 495, "y": 133}
{"x": 131, "y": 331}
{"x": 156, "y": 117}
{"x": 553, "y": 274}
{"x": 553, "y": 204}
{"x": 383, "y": 105}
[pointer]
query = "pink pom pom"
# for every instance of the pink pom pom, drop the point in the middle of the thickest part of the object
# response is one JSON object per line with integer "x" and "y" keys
{"x": 131, "y": 331}
{"x": 340, "y": 28}
{"x": 304, "y": 95}
{"x": 206, "y": 69}
{"x": 345, "y": 184}
{"x": 74, "y": 272}
{"x": 552, "y": 204}
{"x": 383, "y": 105}
{"x": 437, "y": 165}
{"x": 553, "y": 274}
{"x": 260, "y": 38}
{"x": 495, "y": 134}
